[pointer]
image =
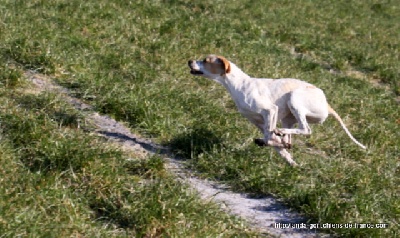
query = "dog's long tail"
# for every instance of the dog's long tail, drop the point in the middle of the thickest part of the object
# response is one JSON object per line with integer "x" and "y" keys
{"x": 333, "y": 113}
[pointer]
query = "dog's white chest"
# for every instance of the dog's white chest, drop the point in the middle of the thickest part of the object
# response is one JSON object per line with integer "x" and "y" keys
{"x": 249, "y": 96}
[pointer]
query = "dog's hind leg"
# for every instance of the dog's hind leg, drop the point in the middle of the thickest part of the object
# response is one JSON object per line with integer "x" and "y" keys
{"x": 306, "y": 105}
{"x": 288, "y": 122}
{"x": 303, "y": 128}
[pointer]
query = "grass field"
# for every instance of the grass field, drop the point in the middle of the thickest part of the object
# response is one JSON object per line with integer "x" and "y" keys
{"x": 59, "y": 181}
{"x": 129, "y": 60}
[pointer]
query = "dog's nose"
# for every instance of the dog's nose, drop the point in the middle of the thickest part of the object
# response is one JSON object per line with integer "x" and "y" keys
{"x": 190, "y": 62}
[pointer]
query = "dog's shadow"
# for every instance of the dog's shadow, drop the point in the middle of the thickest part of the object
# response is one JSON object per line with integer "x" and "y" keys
{"x": 132, "y": 140}
{"x": 193, "y": 142}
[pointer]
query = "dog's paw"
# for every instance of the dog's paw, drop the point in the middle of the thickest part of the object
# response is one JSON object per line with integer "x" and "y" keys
{"x": 259, "y": 142}
{"x": 278, "y": 132}
{"x": 292, "y": 163}
{"x": 287, "y": 145}
{"x": 275, "y": 143}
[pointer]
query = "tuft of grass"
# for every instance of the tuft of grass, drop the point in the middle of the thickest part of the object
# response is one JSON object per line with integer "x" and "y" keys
{"x": 10, "y": 77}
{"x": 194, "y": 143}
{"x": 31, "y": 55}
{"x": 52, "y": 108}
{"x": 145, "y": 168}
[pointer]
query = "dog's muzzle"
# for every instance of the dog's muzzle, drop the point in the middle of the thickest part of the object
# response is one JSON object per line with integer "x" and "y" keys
{"x": 192, "y": 70}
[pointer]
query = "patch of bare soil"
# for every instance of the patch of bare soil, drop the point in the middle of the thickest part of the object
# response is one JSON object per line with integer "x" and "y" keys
{"x": 265, "y": 215}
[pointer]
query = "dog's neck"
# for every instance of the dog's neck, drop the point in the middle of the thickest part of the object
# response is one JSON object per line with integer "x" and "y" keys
{"x": 235, "y": 80}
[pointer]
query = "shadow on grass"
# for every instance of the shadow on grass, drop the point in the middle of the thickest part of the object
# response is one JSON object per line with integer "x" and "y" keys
{"x": 127, "y": 138}
{"x": 190, "y": 144}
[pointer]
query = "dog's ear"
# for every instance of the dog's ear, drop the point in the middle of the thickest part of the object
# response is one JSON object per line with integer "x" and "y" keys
{"x": 226, "y": 63}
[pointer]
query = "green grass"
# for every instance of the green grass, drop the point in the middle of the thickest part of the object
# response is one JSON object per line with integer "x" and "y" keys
{"x": 58, "y": 179}
{"x": 128, "y": 58}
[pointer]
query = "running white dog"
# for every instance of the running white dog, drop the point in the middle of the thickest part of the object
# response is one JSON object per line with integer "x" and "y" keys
{"x": 264, "y": 102}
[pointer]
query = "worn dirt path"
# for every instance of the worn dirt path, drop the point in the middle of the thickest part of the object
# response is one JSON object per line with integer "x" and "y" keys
{"x": 262, "y": 214}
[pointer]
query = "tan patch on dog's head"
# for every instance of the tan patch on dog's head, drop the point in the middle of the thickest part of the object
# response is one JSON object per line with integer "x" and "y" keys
{"x": 227, "y": 65}
{"x": 217, "y": 65}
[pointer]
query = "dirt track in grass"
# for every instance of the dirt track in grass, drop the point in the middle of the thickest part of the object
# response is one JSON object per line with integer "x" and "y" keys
{"x": 262, "y": 214}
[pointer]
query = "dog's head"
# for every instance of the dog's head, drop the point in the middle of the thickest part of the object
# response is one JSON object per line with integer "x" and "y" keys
{"x": 211, "y": 67}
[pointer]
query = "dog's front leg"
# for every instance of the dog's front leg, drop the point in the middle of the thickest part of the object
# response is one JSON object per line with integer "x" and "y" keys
{"x": 270, "y": 117}
{"x": 271, "y": 140}
{"x": 286, "y": 155}
{"x": 268, "y": 128}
